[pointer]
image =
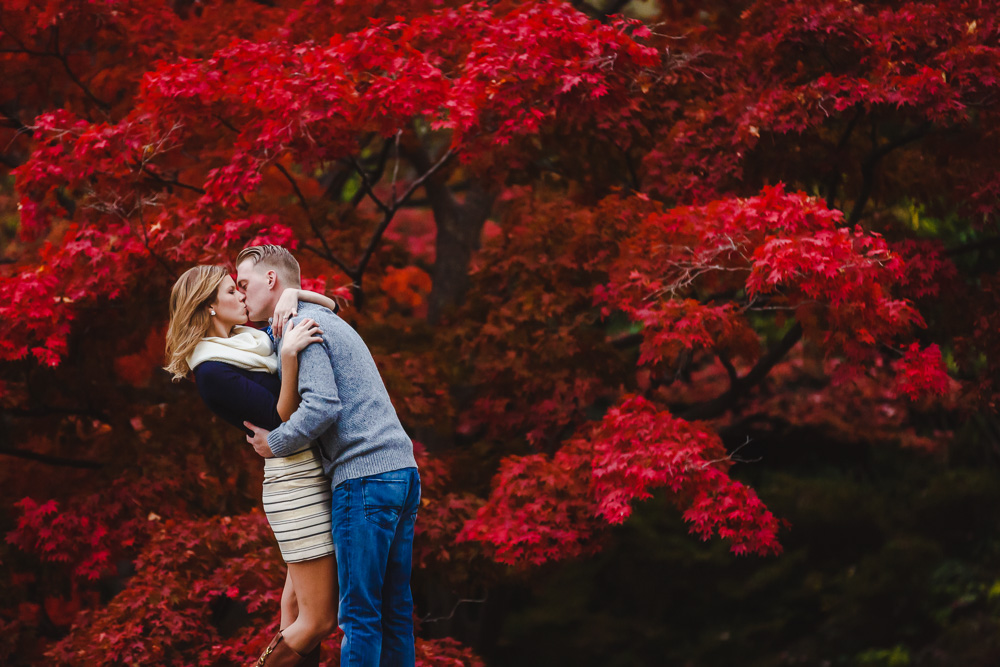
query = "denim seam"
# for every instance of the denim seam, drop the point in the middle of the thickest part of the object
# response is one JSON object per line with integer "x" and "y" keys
{"x": 350, "y": 597}
{"x": 372, "y": 510}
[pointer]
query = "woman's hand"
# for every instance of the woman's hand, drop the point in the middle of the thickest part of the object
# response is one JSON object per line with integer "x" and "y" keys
{"x": 286, "y": 308}
{"x": 300, "y": 336}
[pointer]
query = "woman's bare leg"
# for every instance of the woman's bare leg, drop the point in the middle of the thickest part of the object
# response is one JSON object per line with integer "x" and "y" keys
{"x": 315, "y": 589}
{"x": 289, "y": 606}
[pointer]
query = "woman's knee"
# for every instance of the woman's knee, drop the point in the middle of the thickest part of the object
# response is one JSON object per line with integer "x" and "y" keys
{"x": 318, "y": 627}
{"x": 327, "y": 624}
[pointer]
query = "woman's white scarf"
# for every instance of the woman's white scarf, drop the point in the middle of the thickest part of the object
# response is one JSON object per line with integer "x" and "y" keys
{"x": 247, "y": 348}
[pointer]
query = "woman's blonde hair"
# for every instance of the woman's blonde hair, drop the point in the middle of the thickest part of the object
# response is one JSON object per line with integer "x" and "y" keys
{"x": 189, "y": 319}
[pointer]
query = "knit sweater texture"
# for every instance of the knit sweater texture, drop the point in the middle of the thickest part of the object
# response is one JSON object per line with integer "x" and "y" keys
{"x": 345, "y": 407}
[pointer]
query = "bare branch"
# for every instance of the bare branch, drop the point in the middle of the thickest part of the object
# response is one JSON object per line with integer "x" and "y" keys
{"x": 375, "y": 175}
{"x": 835, "y": 174}
{"x": 50, "y": 460}
{"x": 390, "y": 212}
{"x": 729, "y": 457}
{"x": 719, "y": 405}
{"x": 734, "y": 378}
{"x": 225, "y": 123}
{"x": 435, "y": 619}
{"x": 61, "y": 57}
{"x": 876, "y": 155}
{"x": 448, "y": 154}
{"x": 115, "y": 208}
{"x": 327, "y": 252}
{"x": 168, "y": 181}
{"x": 367, "y": 184}
{"x": 395, "y": 168}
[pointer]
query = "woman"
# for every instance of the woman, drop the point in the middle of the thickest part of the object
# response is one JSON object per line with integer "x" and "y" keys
{"x": 234, "y": 367}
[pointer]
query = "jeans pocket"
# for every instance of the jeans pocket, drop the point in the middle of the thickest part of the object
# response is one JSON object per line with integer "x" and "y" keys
{"x": 383, "y": 500}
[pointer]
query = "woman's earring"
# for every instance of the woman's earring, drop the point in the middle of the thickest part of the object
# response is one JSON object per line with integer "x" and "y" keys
{"x": 211, "y": 311}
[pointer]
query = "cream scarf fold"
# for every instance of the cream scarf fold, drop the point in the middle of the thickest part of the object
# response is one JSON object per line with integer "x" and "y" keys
{"x": 248, "y": 348}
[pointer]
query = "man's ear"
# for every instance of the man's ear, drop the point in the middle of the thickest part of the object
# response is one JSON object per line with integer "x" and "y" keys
{"x": 272, "y": 279}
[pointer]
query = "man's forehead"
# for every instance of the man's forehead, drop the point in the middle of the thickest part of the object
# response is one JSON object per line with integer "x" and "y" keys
{"x": 244, "y": 269}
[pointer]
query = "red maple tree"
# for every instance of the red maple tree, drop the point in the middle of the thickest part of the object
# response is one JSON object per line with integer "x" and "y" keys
{"x": 578, "y": 244}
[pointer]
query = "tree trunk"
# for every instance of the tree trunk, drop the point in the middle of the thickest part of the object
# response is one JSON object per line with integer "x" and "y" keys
{"x": 459, "y": 226}
{"x": 458, "y": 230}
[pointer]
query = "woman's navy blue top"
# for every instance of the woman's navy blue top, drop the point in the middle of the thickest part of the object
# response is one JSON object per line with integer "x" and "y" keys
{"x": 239, "y": 395}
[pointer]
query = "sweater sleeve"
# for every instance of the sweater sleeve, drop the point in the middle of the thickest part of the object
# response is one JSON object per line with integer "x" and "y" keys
{"x": 235, "y": 398}
{"x": 320, "y": 406}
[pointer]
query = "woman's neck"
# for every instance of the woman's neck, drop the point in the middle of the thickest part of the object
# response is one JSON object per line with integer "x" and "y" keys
{"x": 219, "y": 329}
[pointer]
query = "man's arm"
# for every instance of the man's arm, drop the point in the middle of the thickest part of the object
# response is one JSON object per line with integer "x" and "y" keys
{"x": 320, "y": 406}
{"x": 288, "y": 306}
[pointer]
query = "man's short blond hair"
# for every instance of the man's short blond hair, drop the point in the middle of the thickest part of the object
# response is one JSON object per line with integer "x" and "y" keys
{"x": 275, "y": 258}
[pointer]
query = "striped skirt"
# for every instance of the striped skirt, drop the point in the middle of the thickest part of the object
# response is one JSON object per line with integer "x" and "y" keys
{"x": 297, "y": 504}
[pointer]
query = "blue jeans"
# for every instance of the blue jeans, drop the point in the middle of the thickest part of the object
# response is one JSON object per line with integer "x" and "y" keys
{"x": 373, "y": 520}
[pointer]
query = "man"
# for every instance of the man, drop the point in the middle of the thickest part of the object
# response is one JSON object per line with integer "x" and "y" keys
{"x": 366, "y": 454}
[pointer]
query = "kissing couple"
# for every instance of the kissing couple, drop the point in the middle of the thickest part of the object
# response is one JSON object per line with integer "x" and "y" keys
{"x": 341, "y": 487}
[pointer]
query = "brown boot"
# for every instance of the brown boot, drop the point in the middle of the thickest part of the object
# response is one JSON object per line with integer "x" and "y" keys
{"x": 279, "y": 654}
{"x": 311, "y": 659}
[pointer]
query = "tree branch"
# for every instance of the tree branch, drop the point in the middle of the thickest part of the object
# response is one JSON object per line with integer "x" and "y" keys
{"x": 436, "y": 619}
{"x": 145, "y": 241}
{"x": 101, "y": 104}
{"x": 834, "y": 183}
{"x": 295, "y": 187}
{"x": 391, "y": 212}
{"x": 427, "y": 174}
{"x": 113, "y": 208}
{"x": 721, "y": 404}
{"x": 50, "y": 460}
{"x": 166, "y": 181}
{"x": 51, "y": 411}
{"x": 327, "y": 252}
{"x": 58, "y": 55}
{"x": 376, "y": 174}
{"x": 226, "y": 124}
{"x": 868, "y": 167}
{"x": 734, "y": 377}
{"x": 15, "y": 122}
{"x": 367, "y": 185}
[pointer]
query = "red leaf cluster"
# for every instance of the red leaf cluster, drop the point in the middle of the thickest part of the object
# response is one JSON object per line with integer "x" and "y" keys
{"x": 187, "y": 566}
{"x": 550, "y": 508}
{"x": 98, "y": 531}
{"x": 921, "y": 372}
{"x": 635, "y": 243}
{"x": 785, "y": 252}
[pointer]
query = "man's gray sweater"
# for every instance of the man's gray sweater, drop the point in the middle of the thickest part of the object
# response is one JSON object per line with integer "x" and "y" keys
{"x": 345, "y": 406}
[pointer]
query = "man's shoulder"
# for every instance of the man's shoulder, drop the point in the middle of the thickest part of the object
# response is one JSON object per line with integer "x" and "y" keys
{"x": 338, "y": 333}
{"x": 334, "y": 328}
{"x": 316, "y": 312}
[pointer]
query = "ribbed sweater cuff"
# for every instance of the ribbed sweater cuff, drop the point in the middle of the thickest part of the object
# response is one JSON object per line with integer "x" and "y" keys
{"x": 278, "y": 447}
